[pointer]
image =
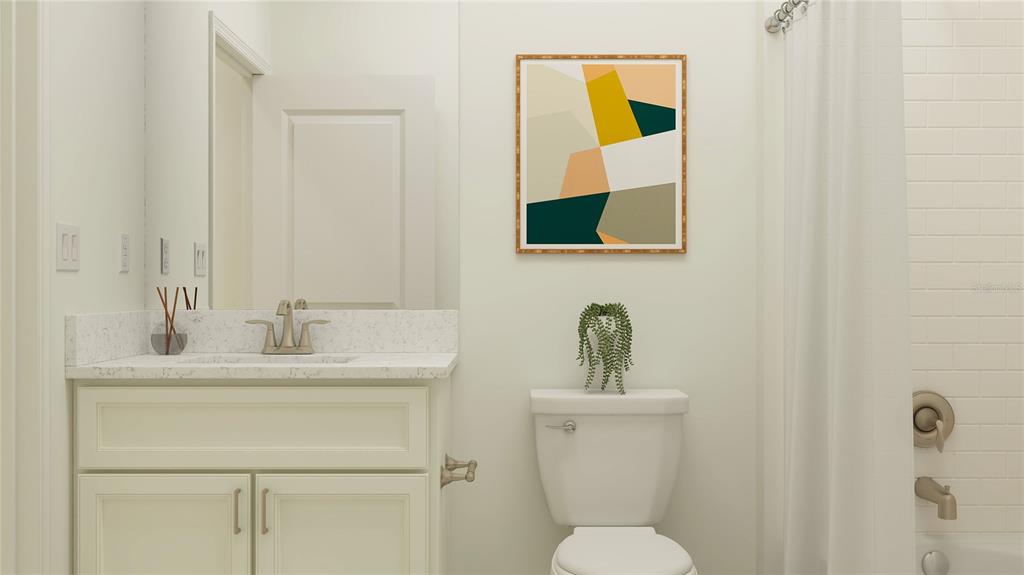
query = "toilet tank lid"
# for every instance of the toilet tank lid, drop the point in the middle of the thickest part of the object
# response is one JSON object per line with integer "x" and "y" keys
{"x": 634, "y": 402}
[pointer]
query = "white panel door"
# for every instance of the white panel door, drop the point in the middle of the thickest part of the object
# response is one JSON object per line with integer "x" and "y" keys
{"x": 343, "y": 191}
{"x": 163, "y": 524}
{"x": 341, "y": 524}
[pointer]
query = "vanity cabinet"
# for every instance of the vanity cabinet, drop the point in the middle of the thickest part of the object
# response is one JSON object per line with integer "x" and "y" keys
{"x": 173, "y": 524}
{"x": 259, "y": 478}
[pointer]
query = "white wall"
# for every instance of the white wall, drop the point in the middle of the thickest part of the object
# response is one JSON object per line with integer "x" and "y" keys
{"x": 963, "y": 63}
{"x": 94, "y": 149}
{"x": 388, "y": 38}
{"x": 694, "y": 315}
{"x": 177, "y": 133}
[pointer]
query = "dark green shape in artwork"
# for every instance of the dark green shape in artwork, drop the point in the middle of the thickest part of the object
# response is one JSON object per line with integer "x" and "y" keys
{"x": 653, "y": 119}
{"x": 565, "y": 220}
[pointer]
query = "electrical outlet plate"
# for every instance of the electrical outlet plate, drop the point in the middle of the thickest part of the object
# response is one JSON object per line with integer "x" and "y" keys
{"x": 199, "y": 255}
{"x": 69, "y": 248}
{"x": 165, "y": 256}
{"x": 124, "y": 253}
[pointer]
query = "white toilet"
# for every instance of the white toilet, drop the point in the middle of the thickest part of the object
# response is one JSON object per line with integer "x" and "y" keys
{"x": 608, "y": 464}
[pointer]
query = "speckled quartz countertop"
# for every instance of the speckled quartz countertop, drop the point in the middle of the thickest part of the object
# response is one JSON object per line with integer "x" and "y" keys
{"x": 257, "y": 366}
{"x": 355, "y": 344}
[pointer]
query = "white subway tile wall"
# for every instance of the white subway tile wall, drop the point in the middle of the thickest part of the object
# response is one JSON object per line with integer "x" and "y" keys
{"x": 963, "y": 65}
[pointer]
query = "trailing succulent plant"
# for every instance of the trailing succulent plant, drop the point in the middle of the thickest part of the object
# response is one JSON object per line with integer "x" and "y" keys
{"x": 611, "y": 326}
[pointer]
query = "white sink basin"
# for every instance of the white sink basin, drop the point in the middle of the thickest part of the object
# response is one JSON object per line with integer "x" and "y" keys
{"x": 238, "y": 358}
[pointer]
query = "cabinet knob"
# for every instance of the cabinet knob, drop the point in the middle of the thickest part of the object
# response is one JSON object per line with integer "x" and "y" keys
{"x": 451, "y": 464}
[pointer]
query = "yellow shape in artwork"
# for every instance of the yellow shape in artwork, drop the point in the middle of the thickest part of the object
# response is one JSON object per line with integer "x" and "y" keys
{"x": 585, "y": 174}
{"x": 649, "y": 83}
{"x": 612, "y": 113}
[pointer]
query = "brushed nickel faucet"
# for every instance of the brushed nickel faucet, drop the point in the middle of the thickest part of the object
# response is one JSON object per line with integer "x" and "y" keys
{"x": 930, "y": 490}
{"x": 287, "y": 344}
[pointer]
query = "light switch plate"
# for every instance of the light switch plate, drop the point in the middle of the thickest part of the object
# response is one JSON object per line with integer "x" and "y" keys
{"x": 199, "y": 254}
{"x": 69, "y": 248}
{"x": 124, "y": 253}
{"x": 165, "y": 256}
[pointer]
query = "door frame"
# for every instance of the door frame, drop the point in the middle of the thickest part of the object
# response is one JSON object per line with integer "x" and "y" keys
{"x": 7, "y": 499}
{"x": 222, "y": 37}
{"x": 29, "y": 515}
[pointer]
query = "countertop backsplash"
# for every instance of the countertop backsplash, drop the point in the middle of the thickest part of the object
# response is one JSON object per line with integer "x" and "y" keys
{"x": 94, "y": 338}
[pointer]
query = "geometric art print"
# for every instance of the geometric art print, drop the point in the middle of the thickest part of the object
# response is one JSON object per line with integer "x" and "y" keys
{"x": 601, "y": 154}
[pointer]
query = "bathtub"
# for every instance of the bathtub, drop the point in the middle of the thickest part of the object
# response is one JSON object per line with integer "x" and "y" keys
{"x": 976, "y": 553}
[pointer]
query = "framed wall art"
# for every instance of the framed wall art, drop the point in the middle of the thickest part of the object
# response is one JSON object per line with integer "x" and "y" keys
{"x": 601, "y": 153}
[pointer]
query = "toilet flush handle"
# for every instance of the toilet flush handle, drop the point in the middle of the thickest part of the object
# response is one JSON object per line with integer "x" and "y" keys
{"x": 569, "y": 426}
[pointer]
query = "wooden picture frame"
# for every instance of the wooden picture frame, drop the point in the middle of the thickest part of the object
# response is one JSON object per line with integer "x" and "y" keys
{"x": 634, "y": 145}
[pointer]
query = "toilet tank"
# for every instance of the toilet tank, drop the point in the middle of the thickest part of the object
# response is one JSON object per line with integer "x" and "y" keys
{"x": 618, "y": 466}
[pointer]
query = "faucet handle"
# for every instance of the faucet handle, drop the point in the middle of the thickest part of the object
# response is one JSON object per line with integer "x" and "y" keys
{"x": 304, "y": 339}
{"x": 301, "y": 304}
{"x": 270, "y": 341}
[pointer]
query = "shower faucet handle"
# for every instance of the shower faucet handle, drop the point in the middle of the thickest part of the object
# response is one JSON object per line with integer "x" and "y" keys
{"x": 933, "y": 420}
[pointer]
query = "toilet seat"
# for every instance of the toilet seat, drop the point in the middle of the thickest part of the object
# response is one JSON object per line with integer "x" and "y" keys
{"x": 620, "y": 551}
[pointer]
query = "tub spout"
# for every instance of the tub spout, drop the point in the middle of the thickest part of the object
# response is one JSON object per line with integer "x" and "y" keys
{"x": 928, "y": 489}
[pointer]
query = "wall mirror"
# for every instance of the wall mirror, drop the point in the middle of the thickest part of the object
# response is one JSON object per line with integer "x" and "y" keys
{"x": 321, "y": 179}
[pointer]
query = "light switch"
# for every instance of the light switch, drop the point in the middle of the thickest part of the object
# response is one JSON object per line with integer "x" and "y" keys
{"x": 165, "y": 256}
{"x": 68, "y": 248}
{"x": 199, "y": 253}
{"x": 124, "y": 253}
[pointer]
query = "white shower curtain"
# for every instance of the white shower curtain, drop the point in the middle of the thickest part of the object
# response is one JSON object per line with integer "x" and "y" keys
{"x": 849, "y": 506}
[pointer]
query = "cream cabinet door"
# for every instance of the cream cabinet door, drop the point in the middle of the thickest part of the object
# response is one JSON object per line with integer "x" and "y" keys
{"x": 173, "y": 524}
{"x": 341, "y": 524}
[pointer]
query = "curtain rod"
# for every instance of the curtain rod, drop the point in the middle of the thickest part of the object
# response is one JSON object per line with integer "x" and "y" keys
{"x": 782, "y": 19}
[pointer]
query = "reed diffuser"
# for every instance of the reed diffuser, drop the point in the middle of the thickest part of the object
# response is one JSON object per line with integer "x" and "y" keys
{"x": 169, "y": 342}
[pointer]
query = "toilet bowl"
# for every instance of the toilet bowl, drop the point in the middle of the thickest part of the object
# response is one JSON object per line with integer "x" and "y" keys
{"x": 618, "y": 550}
{"x": 608, "y": 464}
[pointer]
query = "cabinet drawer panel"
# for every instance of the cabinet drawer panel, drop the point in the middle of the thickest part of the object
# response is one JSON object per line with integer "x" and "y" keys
{"x": 263, "y": 428}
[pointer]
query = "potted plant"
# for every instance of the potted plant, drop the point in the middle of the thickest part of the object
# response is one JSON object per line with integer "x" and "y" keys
{"x": 608, "y": 327}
